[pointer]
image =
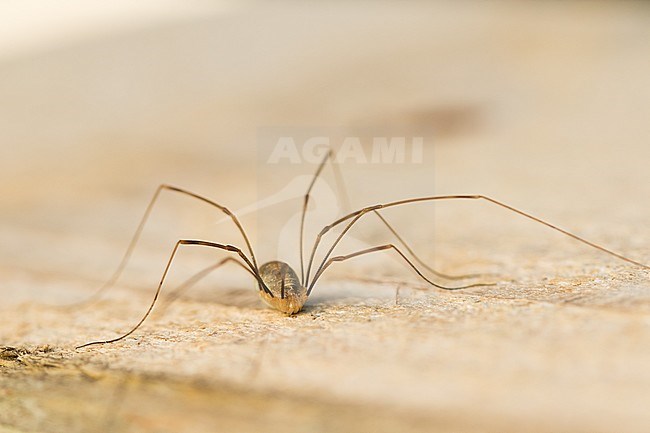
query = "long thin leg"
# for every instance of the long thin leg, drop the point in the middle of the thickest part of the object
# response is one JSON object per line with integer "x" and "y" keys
{"x": 382, "y": 248}
{"x": 198, "y": 277}
{"x": 346, "y": 202}
{"x": 229, "y": 248}
{"x": 305, "y": 203}
{"x": 127, "y": 255}
{"x": 420, "y": 261}
{"x": 359, "y": 213}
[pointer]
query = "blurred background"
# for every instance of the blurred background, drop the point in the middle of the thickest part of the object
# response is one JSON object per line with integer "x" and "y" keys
{"x": 544, "y": 105}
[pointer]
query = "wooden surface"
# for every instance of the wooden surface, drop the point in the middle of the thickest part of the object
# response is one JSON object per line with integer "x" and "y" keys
{"x": 541, "y": 105}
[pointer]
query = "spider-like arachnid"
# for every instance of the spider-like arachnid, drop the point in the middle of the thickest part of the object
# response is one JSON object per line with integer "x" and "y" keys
{"x": 279, "y": 285}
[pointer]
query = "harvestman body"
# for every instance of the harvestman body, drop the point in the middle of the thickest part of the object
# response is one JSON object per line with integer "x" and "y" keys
{"x": 279, "y": 285}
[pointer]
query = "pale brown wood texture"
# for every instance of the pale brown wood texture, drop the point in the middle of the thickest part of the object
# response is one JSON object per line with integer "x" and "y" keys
{"x": 544, "y": 106}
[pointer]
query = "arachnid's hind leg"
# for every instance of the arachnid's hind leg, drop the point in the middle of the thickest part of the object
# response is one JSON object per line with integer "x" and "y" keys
{"x": 229, "y": 248}
{"x": 194, "y": 279}
{"x": 400, "y": 253}
{"x": 420, "y": 261}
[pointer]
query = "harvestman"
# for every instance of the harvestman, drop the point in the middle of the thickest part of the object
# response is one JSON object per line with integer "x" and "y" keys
{"x": 278, "y": 284}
